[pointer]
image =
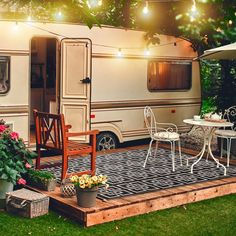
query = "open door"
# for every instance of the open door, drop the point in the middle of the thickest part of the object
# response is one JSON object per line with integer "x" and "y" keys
{"x": 75, "y": 89}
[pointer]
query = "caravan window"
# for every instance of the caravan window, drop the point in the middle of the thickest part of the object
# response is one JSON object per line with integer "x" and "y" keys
{"x": 171, "y": 75}
{"x": 4, "y": 74}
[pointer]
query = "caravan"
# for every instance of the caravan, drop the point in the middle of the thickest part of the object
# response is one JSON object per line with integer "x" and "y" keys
{"x": 100, "y": 78}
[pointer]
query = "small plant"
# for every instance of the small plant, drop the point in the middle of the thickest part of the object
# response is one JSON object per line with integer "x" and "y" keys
{"x": 88, "y": 181}
{"x": 42, "y": 179}
{"x": 40, "y": 175}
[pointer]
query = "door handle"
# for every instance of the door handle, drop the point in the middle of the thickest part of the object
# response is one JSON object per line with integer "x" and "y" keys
{"x": 87, "y": 80}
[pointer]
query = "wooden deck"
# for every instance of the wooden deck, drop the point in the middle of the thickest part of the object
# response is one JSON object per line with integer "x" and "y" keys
{"x": 120, "y": 208}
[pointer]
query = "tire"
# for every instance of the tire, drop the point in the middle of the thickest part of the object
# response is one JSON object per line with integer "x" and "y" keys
{"x": 106, "y": 141}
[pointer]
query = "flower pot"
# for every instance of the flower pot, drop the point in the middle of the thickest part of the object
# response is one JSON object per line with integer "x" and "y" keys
{"x": 5, "y": 187}
{"x": 48, "y": 185}
{"x": 86, "y": 197}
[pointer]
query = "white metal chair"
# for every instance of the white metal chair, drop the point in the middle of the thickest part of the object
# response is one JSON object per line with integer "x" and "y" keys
{"x": 165, "y": 132}
{"x": 228, "y": 134}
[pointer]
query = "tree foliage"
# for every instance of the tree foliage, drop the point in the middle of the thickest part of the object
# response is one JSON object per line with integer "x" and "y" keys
{"x": 214, "y": 24}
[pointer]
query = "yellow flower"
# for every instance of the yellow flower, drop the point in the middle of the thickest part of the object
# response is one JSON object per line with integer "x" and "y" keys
{"x": 82, "y": 186}
{"x": 94, "y": 178}
{"x": 73, "y": 178}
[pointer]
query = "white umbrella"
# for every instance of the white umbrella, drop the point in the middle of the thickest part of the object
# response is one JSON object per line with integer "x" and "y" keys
{"x": 223, "y": 52}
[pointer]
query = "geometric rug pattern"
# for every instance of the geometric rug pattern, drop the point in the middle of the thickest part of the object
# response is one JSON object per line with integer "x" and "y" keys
{"x": 126, "y": 175}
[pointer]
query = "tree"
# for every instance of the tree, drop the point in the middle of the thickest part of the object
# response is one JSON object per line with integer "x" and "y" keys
{"x": 213, "y": 24}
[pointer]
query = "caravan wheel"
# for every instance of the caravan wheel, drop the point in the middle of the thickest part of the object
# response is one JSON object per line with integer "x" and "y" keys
{"x": 106, "y": 141}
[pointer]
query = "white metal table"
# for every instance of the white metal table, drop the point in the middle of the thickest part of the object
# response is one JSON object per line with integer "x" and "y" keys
{"x": 212, "y": 126}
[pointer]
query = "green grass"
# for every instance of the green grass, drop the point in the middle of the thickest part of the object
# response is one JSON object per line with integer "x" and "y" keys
{"x": 210, "y": 217}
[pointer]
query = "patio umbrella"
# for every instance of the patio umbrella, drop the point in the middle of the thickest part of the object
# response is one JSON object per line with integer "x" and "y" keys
{"x": 223, "y": 52}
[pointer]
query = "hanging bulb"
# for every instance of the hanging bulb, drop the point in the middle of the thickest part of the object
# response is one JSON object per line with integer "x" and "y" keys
{"x": 119, "y": 53}
{"x": 94, "y": 3}
{"x": 193, "y": 14}
{"x": 145, "y": 9}
{"x": 100, "y": 3}
{"x": 147, "y": 52}
{"x": 59, "y": 15}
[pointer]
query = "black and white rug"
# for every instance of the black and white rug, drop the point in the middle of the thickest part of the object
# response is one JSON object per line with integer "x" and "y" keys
{"x": 127, "y": 175}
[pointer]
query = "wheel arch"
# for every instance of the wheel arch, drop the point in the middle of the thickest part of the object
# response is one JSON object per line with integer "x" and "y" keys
{"x": 111, "y": 128}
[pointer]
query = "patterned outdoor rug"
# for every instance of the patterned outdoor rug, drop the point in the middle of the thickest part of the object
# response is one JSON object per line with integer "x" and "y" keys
{"x": 127, "y": 175}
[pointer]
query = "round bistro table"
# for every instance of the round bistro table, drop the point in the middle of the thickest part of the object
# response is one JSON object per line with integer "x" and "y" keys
{"x": 207, "y": 135}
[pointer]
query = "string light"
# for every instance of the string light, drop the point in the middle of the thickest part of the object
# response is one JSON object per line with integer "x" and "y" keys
{"x": 145, "y": 9}
{"x": 230, "y": 22}
{"x": 119, "y": 52}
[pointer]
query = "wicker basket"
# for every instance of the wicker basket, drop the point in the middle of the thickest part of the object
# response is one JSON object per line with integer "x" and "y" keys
{"x": 27, "y": 203}
{"x": 67, "y": 188}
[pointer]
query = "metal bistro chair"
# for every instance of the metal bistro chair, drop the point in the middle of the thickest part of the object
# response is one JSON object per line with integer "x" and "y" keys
{"x": 165, "y": 132}
{"x": 228, "y": 134}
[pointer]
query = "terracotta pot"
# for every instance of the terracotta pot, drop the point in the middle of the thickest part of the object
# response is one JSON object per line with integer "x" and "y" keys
{"x": 5, "y": 187}
{"x": 86, "y": 197}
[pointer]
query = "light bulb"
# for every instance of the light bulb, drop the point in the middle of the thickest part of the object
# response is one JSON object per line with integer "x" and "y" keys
{"x": 59, "y": 15}
{"x": 147, "y": 52}
{"x": 193, "y": 14}
{"x": 94, "y": 3}
{"x": 119, "y": 53}
{"x": 145, "y": 9}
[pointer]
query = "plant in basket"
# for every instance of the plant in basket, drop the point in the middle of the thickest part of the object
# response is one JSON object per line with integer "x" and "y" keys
{"x": 87, "y": 188}
{"x": 15, "y": 159}
{"x": 42, "y": 179}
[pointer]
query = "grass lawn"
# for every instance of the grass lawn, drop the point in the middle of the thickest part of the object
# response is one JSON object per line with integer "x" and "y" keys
{"x": 210, "y": 217}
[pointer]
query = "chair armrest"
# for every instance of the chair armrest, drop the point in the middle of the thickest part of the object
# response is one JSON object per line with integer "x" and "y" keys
{"x": 67, "y": 127}
{"x": 91, "y": 132}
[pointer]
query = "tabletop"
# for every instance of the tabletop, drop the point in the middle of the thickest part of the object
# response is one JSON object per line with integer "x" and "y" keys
{"x": 203, "y": 122}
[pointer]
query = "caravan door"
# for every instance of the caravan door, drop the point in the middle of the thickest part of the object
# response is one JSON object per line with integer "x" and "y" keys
{"x": 75, "y": 86}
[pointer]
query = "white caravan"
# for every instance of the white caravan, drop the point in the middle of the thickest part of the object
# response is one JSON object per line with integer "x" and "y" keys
{"x": 100, "y": 78}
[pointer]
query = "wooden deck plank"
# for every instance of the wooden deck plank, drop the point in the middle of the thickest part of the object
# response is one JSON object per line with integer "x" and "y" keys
{"x": 159, "y": 204}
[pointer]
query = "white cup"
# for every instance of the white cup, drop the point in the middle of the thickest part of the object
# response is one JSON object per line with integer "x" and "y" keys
{"x": 197, "y": 117}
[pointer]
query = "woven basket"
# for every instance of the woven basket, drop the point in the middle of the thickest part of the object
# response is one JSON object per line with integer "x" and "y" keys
{"x": 67, "y": 188}
{"x": 27, "y": 203}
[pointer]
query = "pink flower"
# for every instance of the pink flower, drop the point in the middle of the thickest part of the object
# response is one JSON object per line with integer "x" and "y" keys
{"x": 21, "y": 181}
{"x": 27, "y": 165}
{"x": 14, "y": 135}
{"x": 2, "y": 128}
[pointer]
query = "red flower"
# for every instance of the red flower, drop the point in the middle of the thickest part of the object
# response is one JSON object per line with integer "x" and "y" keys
{"x": 14, "y": 135}
{"x": 27, "y": 165}
{"x": 21, "y": 181}
{"x": 2, "y": 128}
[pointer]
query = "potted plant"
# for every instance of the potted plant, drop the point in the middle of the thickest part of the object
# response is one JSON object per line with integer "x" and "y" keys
{"x": 87, "y": 187}
{"x": 42, "y": 179}
{"x": 15, "y": 160}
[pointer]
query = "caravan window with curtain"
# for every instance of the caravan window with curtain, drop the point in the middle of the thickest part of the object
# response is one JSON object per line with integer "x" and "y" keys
{"x": 169, "y": 75}
{"x": 4, "y": 74}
